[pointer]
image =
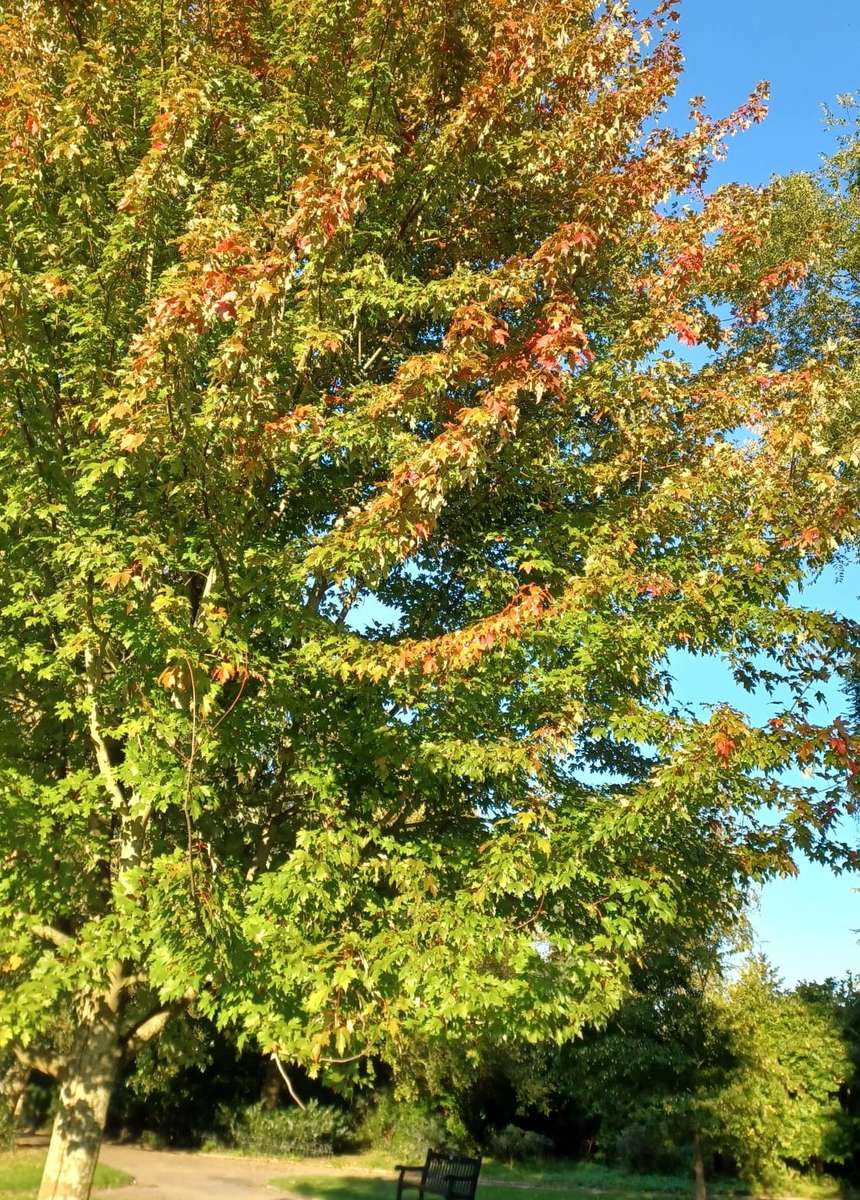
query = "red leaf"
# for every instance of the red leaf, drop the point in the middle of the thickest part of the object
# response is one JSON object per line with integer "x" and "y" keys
{"x": 686, "y": 335}
{"x": 724, "y": 746}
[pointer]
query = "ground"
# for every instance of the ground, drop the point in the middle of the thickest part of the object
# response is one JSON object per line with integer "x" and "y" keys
{"x": 20, "y": 1174}
{"x": 174, "y": 1175}
{"x": 131, "y": 1173}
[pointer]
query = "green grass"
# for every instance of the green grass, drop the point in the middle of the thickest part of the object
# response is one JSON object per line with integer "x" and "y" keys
{"x": 498, "y": 1183}
{"x": 550, "y": 1181}
{"x": 358, "y": 1187}
{"x": 21, "y": 1170}
{"x": 587, "y": 1175}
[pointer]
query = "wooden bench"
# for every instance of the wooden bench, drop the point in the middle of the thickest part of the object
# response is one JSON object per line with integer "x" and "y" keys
{"x": 449, "y": 1175}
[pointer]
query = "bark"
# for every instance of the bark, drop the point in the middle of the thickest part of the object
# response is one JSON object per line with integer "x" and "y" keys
{"x": 87, "y": 1078}
{"x": 700, "y": 1191}
{"x": 273, "y": 1085}
{"x": 85, "y": 1090}
{"x": 13, "y": 1089}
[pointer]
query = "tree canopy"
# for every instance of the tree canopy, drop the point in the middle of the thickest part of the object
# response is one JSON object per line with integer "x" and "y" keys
{"x": 738, "y": 1069}
{"x": 377, "y": 418}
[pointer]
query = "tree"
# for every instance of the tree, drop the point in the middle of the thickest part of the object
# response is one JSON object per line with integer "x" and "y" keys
{"x": 824, "y": 210}
{"x": 780, "y": 1104}
{"x": 353, "y": 497}
{"x": 651, "y": 1073}
{"x": 839, "y": 999}
{"x": 696, "y": 1064}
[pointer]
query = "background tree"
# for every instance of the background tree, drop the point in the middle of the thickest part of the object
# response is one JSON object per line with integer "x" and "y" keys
{"x": 779, "y": 1106}
{"x": 696, "y": 1067}
{"x": 824, "y": 209}
{"x": 651, "y": 1074}
{"x": 353, "y": 498}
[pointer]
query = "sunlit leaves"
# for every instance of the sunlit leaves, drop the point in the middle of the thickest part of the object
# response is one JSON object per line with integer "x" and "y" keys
{"x": 354, "y": 496}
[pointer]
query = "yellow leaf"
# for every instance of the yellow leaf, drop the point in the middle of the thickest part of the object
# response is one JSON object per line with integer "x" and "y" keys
{"x": 264, "y": 290}
{"x": 131, "y": 440}
{"x": 170, "y": 677}
{"x": 118, "y": 579}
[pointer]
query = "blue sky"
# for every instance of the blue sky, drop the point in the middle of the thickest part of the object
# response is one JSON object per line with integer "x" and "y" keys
{"x": 810, "y": 54}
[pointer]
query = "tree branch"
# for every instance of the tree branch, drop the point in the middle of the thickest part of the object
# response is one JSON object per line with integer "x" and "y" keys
{"x": 153, "y": 1024}
{"x": 148, "y": 1029}
{"x": 50, "y": 934}
{"x": 287, "y": 1080}
{"x": 48, "y": 1064}
{"x": 102, "y": 753}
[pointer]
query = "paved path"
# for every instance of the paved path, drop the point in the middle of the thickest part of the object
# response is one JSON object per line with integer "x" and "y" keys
{"x": 172, "y": 1175}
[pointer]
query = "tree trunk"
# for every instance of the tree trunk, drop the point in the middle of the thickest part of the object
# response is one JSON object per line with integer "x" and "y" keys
{"x": 13, "y": 1089}
{"x": 273, "y": 1085}
{"x": 85, "y": 1090}
{"x": 700, "y": 1191}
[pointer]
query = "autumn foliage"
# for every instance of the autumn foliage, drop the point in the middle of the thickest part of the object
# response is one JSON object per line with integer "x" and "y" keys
{"x": 380, "y": 416}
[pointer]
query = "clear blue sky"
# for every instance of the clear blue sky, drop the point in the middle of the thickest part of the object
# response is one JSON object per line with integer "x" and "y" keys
{"x": 810, "y": 54}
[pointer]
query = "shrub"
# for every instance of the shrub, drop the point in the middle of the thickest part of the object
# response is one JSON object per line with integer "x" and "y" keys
{"x": 405, "y": 1129}
{"x": 645, "y": 1147}
{"x": 515, "y": 1144}
{"x": 310, "y": 1132}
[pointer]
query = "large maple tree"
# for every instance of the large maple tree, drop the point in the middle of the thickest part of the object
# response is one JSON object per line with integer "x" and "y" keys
{"x": 354, "y": 495}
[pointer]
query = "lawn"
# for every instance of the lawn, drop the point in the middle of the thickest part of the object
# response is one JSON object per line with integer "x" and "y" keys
{"x": 550, "y": 1181}
{"x": 498, "y": 1182}
{"x": 21, "y": 1170}
{"x": 360, "y": 1187}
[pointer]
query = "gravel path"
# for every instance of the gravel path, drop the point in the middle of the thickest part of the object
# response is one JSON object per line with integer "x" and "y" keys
{"x": 172, "y": 1175}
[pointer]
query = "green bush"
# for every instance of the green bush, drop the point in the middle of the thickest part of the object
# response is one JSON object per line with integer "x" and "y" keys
{"x": 645, "y": 1147}
{"x": 310, "y": 1132}
{"x": 514, "y": 1144}
{"x": 404, "y": 1129}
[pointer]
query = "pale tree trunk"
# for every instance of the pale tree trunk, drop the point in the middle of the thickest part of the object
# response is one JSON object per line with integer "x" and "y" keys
{"x": 14, "y": 1089}
{"x": 85, "y": 1088}
{"x": 102, "y": 1038}
{"x": 87, "y": 1078}
{"x": 700, "y": 1191}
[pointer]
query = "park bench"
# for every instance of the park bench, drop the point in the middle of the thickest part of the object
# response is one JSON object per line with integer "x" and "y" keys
{"x": 450, "y": 1175}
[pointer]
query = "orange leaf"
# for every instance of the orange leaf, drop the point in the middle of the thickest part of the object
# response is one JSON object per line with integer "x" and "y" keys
{"x": 686, "y": 334}
{"x": 724, "y": 746}
{"x": 118, "y": 579}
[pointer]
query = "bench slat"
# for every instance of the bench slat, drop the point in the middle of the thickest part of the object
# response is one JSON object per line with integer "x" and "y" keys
{"x": 454, "y": 1176}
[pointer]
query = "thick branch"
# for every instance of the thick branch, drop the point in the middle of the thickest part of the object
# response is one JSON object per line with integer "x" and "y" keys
{"x": 48, "y": 1064}
{"x": 50, "y": 934}
{"x": 316, "y": 594}
{"x": 102, "y": 753}
{"x": 148, "y": 1029}
{"x": 153, "y": 1024}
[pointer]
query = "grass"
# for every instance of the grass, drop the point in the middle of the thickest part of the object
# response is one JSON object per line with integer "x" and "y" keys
{"x": 358, "y": 1187}
{"x": 549, "y": 1181}
{"x": 588, "y": 1176}
{"x": 498, "y": 1183}
{"x": 21, "y": 1170}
